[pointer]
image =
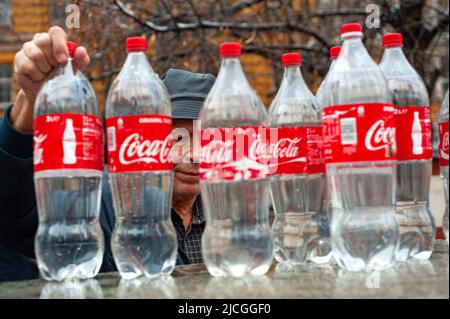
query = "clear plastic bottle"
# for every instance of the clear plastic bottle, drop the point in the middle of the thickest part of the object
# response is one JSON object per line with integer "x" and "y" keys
{"x": 138, "y": 113}
{"x": 359, "y": 144}
{"x": 414, "y": 151}
{"x": 300, "y": 230}
{"x": 68, "y": 165}
{"x": 234, "y": 184}
{"x": 334, "y": 54}
{"x": 443, "y": 157}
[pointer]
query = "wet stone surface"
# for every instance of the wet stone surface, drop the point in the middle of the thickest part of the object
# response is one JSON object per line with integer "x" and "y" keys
{"x": 413, "y": 279}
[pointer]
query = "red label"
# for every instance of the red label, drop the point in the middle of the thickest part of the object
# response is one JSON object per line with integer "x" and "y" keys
{"x": 68, "y": 141}
{"x": 443, "y": 143}
{"x": 139, "y": 143}
{"x": 298, "y": 150}
{"x": 414, "y": 135}
{"x": 234, "y": 153}
{"x": 359, "y": 133}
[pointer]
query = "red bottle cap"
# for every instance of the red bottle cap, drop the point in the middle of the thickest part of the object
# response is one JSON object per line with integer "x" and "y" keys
{"x": 230, "y": 49}
{"x": 351, "y": 27}
{"x": 72, "y": 47}
{"x": 291, "y": 59}
{"x": 334, "y": 52}
{"x": 134, "y": 44}
{"x": 392, "y": 40}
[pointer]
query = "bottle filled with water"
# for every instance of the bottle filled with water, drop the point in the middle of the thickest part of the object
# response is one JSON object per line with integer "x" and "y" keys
{"x": 138, "y": 128}
{"x": 359, "y": 150}
{"x": 300, "y": 230}
{"x": 68, "y": 166}
{"x": 334, "y": 54}
{"x": 234, "y": 175}
{"x": 443, "y": 157}
{"x": 414, "y": 151}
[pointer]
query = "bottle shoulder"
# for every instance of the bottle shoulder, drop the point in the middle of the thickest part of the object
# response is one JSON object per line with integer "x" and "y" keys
{"x": 230, "y": 110}
{"x": 67, "y": 93}
{"x": 130, "y": 95}
{"x": 294, "y": 110}
{"x": 356, "y": 85}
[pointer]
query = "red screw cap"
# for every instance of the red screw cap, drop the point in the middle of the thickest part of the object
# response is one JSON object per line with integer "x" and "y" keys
{"x": 392, "y": 40}
{"x": 230, "y": 49}
{"x": 134, "y": 44}
{"x": 291, "y": 59}
{"x": 334, "y": 52}
{"x": 351, "y": 27}
{"x": 72, "y": 47}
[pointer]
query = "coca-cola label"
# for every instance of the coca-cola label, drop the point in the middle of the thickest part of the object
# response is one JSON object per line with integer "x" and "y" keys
{"x": 414, "y": 133}
{"x": 139, "y": 143}
{"x": 443, "y": 143}
{"x": 68, "y": 141}
{"x": 359, "y": 133}
{"x": 298, "y": 150}
{"x": 234, "y": 153}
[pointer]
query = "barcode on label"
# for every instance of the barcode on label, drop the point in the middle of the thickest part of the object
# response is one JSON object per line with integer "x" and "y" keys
{"x": 348, "y": 131}
{"x": 111, "y": 132}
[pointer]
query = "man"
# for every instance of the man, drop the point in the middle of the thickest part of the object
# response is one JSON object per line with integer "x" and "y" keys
{"x": 18, "y": 215}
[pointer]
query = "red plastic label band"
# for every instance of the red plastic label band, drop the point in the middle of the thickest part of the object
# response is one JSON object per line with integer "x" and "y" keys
{"x": 68, "y": 141}
{"x": 359, "y": 133}
{"x": 139, "y": 143}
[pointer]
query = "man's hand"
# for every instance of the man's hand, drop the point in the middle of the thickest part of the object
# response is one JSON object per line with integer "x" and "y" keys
{"x": 32, "y": 65}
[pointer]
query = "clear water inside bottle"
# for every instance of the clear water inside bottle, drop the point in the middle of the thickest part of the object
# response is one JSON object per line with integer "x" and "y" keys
{"x": 443, "y": 117}
{"x": 300, "y": 229}
{"x": 237, "y": 239}
{"x": 364, "y": 231}
{"x": 69, "y": 241}
{"x": 416, "y": 221}
{"x": 144, "y": 241}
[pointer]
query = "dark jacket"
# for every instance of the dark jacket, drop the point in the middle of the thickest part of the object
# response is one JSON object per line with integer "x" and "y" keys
{"x": 18, "y": 213}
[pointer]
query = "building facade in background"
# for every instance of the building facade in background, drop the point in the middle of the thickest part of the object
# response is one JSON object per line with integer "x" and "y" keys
{"x": 19, "y": 20}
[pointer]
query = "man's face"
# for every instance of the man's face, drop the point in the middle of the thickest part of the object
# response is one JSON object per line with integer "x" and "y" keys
{"x": 186, "y": 178}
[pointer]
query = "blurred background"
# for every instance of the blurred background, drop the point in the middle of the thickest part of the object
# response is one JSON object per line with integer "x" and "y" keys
{"x": 187, "y": 33}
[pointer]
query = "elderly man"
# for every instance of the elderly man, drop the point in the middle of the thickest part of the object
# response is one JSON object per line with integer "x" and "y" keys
{"x": 18, "y": 215}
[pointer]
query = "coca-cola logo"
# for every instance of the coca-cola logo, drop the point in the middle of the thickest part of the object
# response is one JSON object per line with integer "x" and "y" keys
{"x": 38, "y": 149}
{"x": 444, "y": 146}
{"x": 379, "y": 137}
{"x": 135, "y": 149}
{"x": 284, "y": 148}
{"x": 217, "y": 152}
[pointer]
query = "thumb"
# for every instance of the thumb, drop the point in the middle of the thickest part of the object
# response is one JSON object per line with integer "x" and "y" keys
{"x": 81, "y": 57}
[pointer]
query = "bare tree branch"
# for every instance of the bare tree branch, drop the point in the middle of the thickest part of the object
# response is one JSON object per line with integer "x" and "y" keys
{"x": 235, "y": 8}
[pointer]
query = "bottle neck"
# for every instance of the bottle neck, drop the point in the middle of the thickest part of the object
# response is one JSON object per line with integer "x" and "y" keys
{"x": 354, "y": 52}
{"x": 292, "y": 73}
{"x": 231, "y": 68}
{"x": 293, "y": 81}
{"x": 352, "y": 42}
{"x": 137, "y": 60}
{"x": 394, "y": 55}
{"x": 69, "y": 69}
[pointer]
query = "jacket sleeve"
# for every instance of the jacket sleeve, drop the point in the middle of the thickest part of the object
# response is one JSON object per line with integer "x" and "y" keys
{"x": 18, "y": 217}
